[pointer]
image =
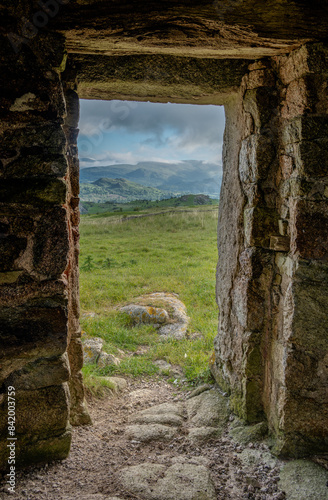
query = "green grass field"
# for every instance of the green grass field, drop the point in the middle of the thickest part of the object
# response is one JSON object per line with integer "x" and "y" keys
{"x": 121, "y": 260}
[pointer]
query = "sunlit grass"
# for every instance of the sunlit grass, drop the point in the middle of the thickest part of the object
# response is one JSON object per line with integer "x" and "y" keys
{"x": 175, "y": 252}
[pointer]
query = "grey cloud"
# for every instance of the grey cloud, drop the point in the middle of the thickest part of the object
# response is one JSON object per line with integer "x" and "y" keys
{"x": 189, "y": 124}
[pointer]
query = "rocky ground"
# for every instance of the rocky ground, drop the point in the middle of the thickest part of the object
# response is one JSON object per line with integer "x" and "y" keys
{"x": 154, "y": 442}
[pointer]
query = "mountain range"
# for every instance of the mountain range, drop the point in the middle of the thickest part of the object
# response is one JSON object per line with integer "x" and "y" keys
{"x": 188, "y": 176}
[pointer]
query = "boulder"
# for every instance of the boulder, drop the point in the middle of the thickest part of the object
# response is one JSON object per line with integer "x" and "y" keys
{"x": 174, "y": 324}
{"x": 146, "y": 314}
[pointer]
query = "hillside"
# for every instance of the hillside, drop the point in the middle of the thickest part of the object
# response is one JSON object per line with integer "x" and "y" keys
{"x": 113, "y": 208}
{"x": 119, "y": 190}
{"x": 188, "y": 176}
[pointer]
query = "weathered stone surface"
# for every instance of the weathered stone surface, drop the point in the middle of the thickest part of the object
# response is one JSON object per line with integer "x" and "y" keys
{"x": 51, "y": 244}
{"x": 304, "y": 479}
{"x": 30, "y": 451}
{"x": 150, "y": 432}
{"x": 164, "y": 408}
{"x": 209, "y": 409}
{"x": 174, "y": 324}
{"x": 162, "y": 418}
{"x": 146, "y": 314}
{"x": 181, "y": 79}
{"x": 181, "y": 481}
{"x": 249, "y": 433}
{"x": 251, "y": 456}
{"x": 201, "y": 434}
{"x": 106, "y": 359}
{"x": 119, "y": 383}
{"x": 43, "y": 372}
{"x": 92, "y": 348}
{"x": 309, "y": 229}
{"x": 36, "y": 329}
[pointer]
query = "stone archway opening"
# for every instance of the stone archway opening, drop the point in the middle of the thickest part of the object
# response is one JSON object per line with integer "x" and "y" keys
{"x": 175, "y": 252}
{"x": 269, "y": 68}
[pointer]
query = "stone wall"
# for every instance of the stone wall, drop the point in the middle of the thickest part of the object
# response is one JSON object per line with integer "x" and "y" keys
{"x": 272, "y": 346}
{"x": 38, "y": 252}
{"x": 297, "y": 375}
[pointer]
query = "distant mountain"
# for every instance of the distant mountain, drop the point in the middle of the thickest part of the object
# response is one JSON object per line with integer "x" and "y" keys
{"x": 120, "y": 190}
{"x": 188, "y": 176}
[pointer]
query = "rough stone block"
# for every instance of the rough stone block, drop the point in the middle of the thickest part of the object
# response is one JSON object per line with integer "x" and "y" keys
{"x": 248, "y": 304}
{"x": 259, "y": 225}
{"x": 51, "y": 243}
{"x": 75, "y": 354}
{"x": 35, "y": 192}
{"x": 48, "y": 137}
{"x": 305, "y": 306}
{"x": 72, "y": 108}
{"x": 43, "y": 372}
{"x": 309, "y": 229}
{"x": 36, "y": 329}
{"x": 11, "y": 247}
{"x": 286, "y": 165}
{"x": 79, "y": 414}
{"x": 260, "y": 78}
{"x": 261, "y": 103}
{"x": 34, "y": 451}
{"x": 280, "y": 243}
{"x": 256, "y": 155}
{"x": 32, "y": 165}
{"x": 305, "y": 128}
{"x": 311, "y": 157}
{"x": 294, "y": 66}
{"x": 41, "y": 413}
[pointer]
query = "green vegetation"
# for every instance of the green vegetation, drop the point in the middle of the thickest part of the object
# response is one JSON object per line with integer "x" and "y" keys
{"x": 172, "y": 252}
{"x": 119, "y": 190}
{"x": 114, "y": 208}
{"x": 97, "y": 386}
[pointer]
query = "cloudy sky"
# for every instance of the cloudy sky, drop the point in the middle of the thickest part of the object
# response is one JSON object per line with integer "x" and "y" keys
{"x": 128, "y": 132}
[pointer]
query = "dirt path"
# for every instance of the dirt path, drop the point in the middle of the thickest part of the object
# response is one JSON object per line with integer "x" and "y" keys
{"x": 100, "y": 453}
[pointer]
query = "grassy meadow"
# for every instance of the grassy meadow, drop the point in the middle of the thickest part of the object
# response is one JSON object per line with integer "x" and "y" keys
{"x": 123, "y": 259}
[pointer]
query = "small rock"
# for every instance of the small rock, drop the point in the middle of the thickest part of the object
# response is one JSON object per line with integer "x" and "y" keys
{"x": 91, "y": 350}
{"x": 88, "y": 315}
{"x": 246, "y": 434}
{"x": 106, "y": 359}
{"x": 162, "y": 365}
{"x": 119, "y": 383}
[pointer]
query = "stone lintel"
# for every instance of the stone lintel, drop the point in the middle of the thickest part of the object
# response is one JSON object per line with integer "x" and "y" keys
{"x": 158, "y": 78}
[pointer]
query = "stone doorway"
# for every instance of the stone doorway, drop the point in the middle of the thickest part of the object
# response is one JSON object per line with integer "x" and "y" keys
{"x": 271, "y": 352}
